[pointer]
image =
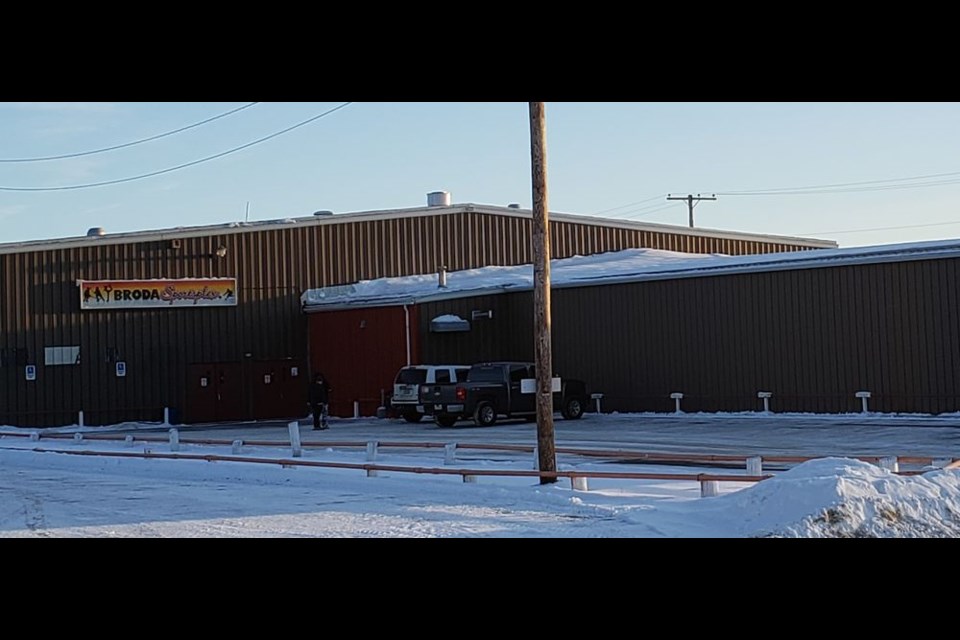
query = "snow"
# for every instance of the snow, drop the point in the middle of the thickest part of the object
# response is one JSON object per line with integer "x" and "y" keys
{"x": 629, "y": 264}
{"x": 51, "y": 493}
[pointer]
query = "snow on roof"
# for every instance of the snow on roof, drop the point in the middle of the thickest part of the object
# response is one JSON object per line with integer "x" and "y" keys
{"x": 630, "y": 265}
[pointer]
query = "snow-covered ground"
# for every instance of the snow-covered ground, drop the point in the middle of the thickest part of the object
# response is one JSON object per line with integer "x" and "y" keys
{"x": 60, "y": 495}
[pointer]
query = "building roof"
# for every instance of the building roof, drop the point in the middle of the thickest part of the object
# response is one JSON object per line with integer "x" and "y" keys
{"x": 631, "y": 265}
{"x": 361, "y": 216}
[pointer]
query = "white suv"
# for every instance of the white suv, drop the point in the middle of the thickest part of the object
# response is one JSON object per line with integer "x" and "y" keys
{"x": 406, "y": 387}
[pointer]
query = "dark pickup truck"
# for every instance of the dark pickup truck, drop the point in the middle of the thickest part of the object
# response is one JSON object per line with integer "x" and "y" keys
{"x": 498, "y": 389}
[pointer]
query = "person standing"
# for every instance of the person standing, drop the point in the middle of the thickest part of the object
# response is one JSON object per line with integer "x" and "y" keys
{"x": 319, "y": 401}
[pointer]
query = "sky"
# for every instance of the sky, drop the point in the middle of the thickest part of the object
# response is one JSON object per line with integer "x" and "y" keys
{"x": 612, "y": 159}
{"x": 52, "y": 494}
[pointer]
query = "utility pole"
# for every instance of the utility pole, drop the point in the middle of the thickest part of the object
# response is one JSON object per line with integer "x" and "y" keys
{"x": 690, "y": 202}
{"x": 541, "y": 292}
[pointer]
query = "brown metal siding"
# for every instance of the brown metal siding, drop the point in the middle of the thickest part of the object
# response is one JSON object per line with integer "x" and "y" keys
{"x": 273, "y": 267}
{"x": 811, "y": 337}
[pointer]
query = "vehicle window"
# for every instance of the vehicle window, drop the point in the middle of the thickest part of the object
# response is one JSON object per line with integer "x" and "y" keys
{"x": 517, "y": 373}
{"x": 443, "y": 376}
{"x": 485, "y": 374}
{"x": 461, "y": 373}
{"x": 412, "y": 376}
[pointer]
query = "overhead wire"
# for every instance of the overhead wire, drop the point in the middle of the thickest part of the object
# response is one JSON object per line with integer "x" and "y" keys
{"x": 181, "y": 166}
{"x": 80, "y": 154}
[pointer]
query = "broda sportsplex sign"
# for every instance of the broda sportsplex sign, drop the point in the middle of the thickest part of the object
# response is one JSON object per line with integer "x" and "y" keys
{"x": 142, "y": 294}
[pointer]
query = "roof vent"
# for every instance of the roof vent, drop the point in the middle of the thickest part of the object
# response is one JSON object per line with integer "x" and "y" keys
{"x": 323, "y": 213}
{"x": 94, "y": 232}
{"x": 438, "y": 199}
{"x": 513, "y": 205}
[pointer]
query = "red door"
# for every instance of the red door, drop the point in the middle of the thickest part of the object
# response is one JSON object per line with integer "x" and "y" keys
{"x": 215, "y": 393}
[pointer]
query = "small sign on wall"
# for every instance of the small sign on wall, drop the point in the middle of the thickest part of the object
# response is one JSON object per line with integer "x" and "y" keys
{"x": 294, "y": 372}
{"x": 267, "y": 379}
{"x": 121, "y": 369}
{"x": 31, "y": 371}
{"x": 203, "y": 382}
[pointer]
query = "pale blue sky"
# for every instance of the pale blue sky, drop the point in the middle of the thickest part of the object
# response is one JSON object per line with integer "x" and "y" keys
{"x": 601, "y": 157}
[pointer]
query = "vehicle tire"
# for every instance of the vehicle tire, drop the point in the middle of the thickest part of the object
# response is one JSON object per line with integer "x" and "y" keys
{"x": 485, "y": 415}
{"x": 445, "y": 421}
{"x": 572, "y": 409}
{"x": 412, "y": 416}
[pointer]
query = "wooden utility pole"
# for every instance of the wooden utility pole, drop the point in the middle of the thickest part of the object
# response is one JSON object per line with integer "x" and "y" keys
{"x": 541, "y": 292}
{"x": 690, "y": 202}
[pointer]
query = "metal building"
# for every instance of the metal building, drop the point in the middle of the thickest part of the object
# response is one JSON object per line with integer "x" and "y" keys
{"x": 812, "y": 329}
{"x": 206, "y": 322}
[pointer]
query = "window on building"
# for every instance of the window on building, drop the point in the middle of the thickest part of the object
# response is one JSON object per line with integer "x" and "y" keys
{"x": 53, "y": 356}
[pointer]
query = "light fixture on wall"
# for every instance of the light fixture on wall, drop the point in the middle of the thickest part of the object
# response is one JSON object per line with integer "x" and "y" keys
{"x": 221, "y": 252}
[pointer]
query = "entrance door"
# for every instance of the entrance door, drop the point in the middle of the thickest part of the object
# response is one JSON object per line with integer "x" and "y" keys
{"x": 215, "y": 393}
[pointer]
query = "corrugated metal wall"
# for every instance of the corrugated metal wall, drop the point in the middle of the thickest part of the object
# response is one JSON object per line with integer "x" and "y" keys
{"x": 812, "y": 337}
{"x": 273, "y": 266}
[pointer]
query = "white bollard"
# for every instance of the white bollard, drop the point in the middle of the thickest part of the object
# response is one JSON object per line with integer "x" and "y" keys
{"x": 863, "y": 395}
{"x": 372, "y": 451}
{"x": 755, "y": 466}
{"x": 174, "y": 440}
{"x": 765, "y": 396}
{"x": 128, "y": 441}
{"x": 78, "y": 437}
{"x": 450, "y": 453}
{"x": 536, "y": 458}
{"x": 80, "y": 418}
{"x": 294, "y": 429}
{"x": 579, "y": 483}
{"x": 237, "y": 446}
{"x": 34, "y": 436}
{"x": 470, "y": 479}
{"x": 889, "y": 463}
{"x": 597, "y": 397}
{"x": 677, "y": 397}
{"x": 356, "y": 408}
{"x": 709, "y": 488}
{"x": 166, "y": 415}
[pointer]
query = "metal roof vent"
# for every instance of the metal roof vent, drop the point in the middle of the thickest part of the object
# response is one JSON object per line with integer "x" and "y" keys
{"x": 438, "y": 199}
{"x": 323, "y": 213}
{"x": 94, "y": 232}
{"x": 513, "y": 205}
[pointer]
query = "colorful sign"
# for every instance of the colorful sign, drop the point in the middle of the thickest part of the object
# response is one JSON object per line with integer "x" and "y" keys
{"x": 143, "y": 294}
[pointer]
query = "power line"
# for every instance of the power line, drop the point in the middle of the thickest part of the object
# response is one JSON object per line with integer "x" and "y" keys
{"x": 627, "y": 205}
{"x": 909, "y": 226}
{"x": 128, "y": 144}
{"x": 851, "y": 187}
{"x": 182, "y": 166}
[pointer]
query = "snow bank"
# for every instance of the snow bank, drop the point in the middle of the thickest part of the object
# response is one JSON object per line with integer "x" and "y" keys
{"x": 843, "y": 498}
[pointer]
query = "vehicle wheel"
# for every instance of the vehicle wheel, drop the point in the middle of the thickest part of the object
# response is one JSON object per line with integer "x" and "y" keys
{"x": 572, "y": 409}
{"x": 412, "y": 416}
{"x": 445, "y": 421}
{"x": 485, "y": 415}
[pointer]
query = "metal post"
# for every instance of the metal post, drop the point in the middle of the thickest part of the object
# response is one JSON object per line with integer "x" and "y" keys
{"x": 677, "y": 397}
{"x": 372, "y": 451}
{"x": 755, "y": 466}
{"x": 294, "y": 429}
{"x": 450, "y": 454}
{"x": 863, "y": 395}
{"x": 890, "y": 463}
{"x": 709, "y": 488}
{"x": 237, "y": 446}
{"x": 174, "y": 440}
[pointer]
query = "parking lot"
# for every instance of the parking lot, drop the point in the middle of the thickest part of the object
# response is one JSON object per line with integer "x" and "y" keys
{"x": 749, "y": 433}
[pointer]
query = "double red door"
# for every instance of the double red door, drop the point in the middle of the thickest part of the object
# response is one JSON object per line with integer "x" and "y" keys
{"x": 235, "y": 391}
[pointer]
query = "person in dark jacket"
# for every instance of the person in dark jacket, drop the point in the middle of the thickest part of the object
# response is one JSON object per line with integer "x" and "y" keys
{"x": 319, "y": 401}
